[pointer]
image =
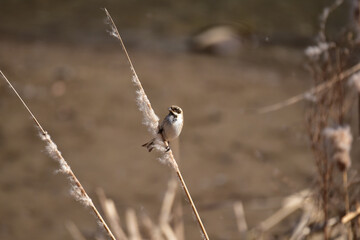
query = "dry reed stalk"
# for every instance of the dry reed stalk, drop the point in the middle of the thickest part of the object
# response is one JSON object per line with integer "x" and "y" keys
{"x": 178, "y": 220}
{"x": 77, "y": 190}
{"x": 168, "y": 232}
{"x": 168, "y": 202}
{"x": 240, "y": 218}
{"x": 111, "y": 214}
{"x": 350, "y": 216}
{"x": 302, "y": 229}
{"x": 74, "y": 231}
{"x": 326, "y": 63}
{"x": 177, "y": 217}
{"x": 153, "y": 231}
{"x": 165, "y": 212}
{"x": 346, "y": 191}
{"x": 151, "y": 120}
{"x": 313, "y": 91}
{"x": 291, "y": 204}
{"x": 347, "y": 202}
{"x": 132, "y": 224}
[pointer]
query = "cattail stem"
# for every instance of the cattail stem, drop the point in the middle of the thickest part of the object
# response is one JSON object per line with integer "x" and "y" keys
{"x": 58, "y": 155}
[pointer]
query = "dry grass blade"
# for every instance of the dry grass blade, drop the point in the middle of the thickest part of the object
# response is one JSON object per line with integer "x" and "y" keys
{"x": 111, "y": 214}
{"x": 313, "y": 91}
{"x": 178, "y": 220}
{"x": 151, "y": 121}
{"x": 74, "y": 231}
{"x": 152, "y": 230}
{"x": 168, "y": 232}
{"x": 310, "y": 214}
{"x": 168, "y": 202}
{"x": 240, "y": 217}
{"x": 302, "y": 229}
{"x": 132, "y": 224}
{"x": 77, "y": 189}
{"x": 165, "y": 212}
{"x": 291, "y": 204}
{"x": 350, "y": 216}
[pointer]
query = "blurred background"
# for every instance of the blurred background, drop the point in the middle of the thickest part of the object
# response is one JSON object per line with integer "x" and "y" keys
{"x": 212, "y": 58}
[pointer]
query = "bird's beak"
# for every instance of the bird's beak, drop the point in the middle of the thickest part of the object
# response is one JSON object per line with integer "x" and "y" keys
{"x": 170, "y": 109}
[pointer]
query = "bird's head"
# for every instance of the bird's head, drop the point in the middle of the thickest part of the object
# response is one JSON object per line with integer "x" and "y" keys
{"x": 175, "y": 110}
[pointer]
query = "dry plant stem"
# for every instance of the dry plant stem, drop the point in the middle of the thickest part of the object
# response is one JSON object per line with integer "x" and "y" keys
{"x": 347, "y": 204}
{"x": 74, "y": 231}
{"x": 321, "y": 87}
{"x": 153, "y": 231}
{"x": 178, "y": 220}
{"x": 168, "y": 232}
{"x": 346, "y": 192}
{"x": 170, "y": 155}
{"x": 177, "y": 216}
{"x": 278, "y": 216}
{"x": 168, "y": 202}
{"x": 350, "y": 216}
{"x": 192, "y": 203}
{"x": 240, "y": 218}
{"x": 187, "y": 193}
{"x": 138, "y": 83}
{"x": 291, "y": 204}
{"x": 69, "y": 172}
{"x": 324, "y": 17}
{"x": 111, "y": 214}
{"x": 132, "y": 225}
{"x": 358, "y": 97}
{"x": 166, "y": 210}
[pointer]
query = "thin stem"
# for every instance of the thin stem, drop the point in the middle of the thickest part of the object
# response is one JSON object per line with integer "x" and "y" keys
{"x": 317, "y": 89}
{"x": 117, "y": 35}
{"x": 346, "y": 192}
{"x": 347, "y": 204}
{"x": 59, "y": 156}
{"x": 187, "y": 193}
{"x": 325, "y": 204}
{"x": 170, "y": 156}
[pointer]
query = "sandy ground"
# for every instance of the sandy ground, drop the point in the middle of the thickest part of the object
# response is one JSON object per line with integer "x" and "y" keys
{"x": 84, "y": 97}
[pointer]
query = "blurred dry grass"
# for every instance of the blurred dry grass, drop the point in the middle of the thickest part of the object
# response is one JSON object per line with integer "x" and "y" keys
{"x": 98, "y": 127}
{"x": 77, "y": 83}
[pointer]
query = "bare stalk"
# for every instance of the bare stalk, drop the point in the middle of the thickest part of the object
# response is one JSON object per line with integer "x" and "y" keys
{"x": 78, "y": 190}
{"x": 313, "y": 91}
{"x": 203, "y": 230}
{"x": 346, "y": 191}
{"x": 151, "y": 120}
{"x": 111, "y": 214}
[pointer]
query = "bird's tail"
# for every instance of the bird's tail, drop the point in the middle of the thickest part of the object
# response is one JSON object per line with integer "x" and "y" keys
{"x": 149, "y": 145}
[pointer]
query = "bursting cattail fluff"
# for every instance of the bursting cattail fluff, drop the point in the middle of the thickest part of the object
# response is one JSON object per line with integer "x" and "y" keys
{"x": 354, "y": 81}
{"x": 339, "y": 142}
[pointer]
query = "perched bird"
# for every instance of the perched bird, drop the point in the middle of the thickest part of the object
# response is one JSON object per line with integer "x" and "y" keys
{"x": 170, "y": 128}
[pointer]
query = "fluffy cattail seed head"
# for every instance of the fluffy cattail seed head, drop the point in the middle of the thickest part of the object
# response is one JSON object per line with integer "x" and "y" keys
{"x": 339, "y": 141}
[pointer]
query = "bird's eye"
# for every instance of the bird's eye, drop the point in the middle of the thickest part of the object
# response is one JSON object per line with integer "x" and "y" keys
{"x": 176, "y": 109}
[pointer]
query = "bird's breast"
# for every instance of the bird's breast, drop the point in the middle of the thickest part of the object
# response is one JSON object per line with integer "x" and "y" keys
{"x": 172, "y": 130}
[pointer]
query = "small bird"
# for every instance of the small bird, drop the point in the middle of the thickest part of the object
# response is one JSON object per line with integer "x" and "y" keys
{"x": 170, "y": 128}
